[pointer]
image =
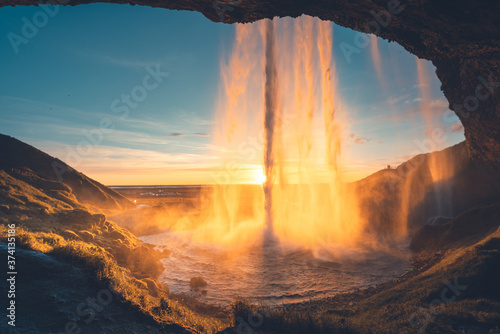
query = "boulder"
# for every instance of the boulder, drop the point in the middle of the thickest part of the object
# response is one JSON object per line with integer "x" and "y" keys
{"x": 197, "y": 282}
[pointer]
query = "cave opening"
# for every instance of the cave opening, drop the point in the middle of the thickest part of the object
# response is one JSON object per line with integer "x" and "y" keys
{"x": 282, "y": 160}
{"x": 339, "y": 91}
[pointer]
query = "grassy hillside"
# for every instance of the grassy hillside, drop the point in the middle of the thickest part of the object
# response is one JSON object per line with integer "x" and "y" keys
{"x": 66, "y": 219}
{"x": 407, "y": 195}
{"x": 51, "y": 175}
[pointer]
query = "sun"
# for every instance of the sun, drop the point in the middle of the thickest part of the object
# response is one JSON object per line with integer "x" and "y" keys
{"x": 259, "y": 176}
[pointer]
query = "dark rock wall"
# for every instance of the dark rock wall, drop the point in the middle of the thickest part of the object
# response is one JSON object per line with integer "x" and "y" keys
{"x": 472, "y": 86}
{"x": 461, "y": 38}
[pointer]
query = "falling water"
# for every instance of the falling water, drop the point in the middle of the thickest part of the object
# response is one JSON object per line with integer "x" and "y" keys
{"x": 377, "y": 62}
{"x": 271, "y": 113}
{"x": 282, "y": 115}
{"x": 279, "y": 113}
{"x": 441, "y": 170}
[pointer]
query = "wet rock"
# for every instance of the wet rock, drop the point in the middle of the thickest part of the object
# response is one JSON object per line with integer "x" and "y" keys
{"x": 438, "y": 220}
{"x": 197, "y": 282}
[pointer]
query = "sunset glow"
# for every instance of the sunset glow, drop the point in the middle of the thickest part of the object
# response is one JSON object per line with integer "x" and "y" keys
{"x": 171, "y": 136}
{"x": 260, "y": 178}
{"x": 244, "y": 166}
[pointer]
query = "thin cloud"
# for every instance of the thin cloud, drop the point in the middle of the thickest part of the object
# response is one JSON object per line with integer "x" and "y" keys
{"x": 358, "y": 139}
{"x": 176, "y": 134}
{"x": 457, "y": 127}
{"x": 182, "y": 135}
{"x": 439, "y": 104}
{"x": 392, "y": 100}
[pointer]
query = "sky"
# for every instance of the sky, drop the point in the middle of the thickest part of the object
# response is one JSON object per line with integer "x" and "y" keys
{"x": 127, "y": 94}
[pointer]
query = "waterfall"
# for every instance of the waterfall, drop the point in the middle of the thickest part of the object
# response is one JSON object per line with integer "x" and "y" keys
{"x": 271, "y": 112}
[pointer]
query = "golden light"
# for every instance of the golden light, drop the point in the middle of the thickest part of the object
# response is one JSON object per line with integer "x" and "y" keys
{"x": 259, "y": 176}
{"x": 322, "y": 216}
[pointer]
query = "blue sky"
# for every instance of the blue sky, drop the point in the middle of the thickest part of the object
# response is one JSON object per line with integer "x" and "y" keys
{"x": 59, "y": 86}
